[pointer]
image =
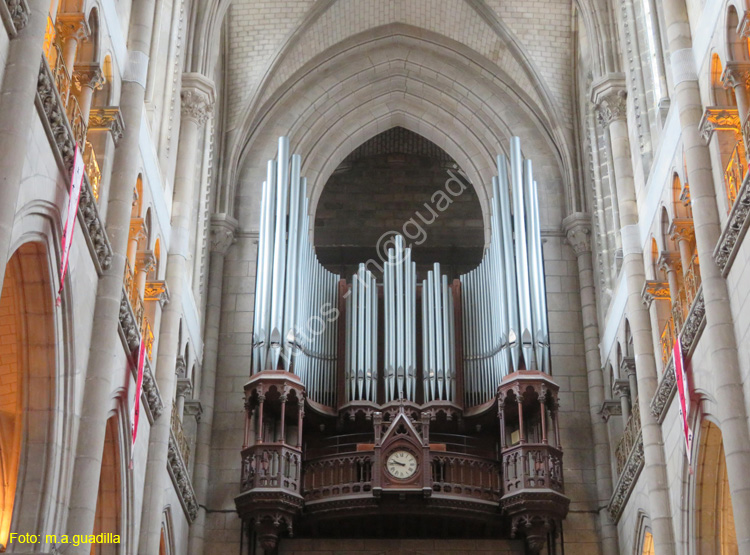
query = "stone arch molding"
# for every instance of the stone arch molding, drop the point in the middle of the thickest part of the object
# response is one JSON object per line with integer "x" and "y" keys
{"x": 399, "y": 75}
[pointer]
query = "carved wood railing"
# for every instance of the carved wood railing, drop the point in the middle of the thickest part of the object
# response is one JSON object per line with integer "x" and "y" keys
{"x": 532, "y": 466}
{"x": 464, "y": 475}
{"x": 629, "y": 438}
{"x": 335, "y": 475}
{"x": 269, "y": 465}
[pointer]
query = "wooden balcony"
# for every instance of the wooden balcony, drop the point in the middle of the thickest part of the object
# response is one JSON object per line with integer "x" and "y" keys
{"x": 532, "y": 466}
{"x": 338, "y": 475}
{"x": 466, "y": 476}
{"x": 271, "y": 466}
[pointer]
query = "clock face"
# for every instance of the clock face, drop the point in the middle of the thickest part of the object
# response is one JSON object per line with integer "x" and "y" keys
{"x": 401, "y": 464}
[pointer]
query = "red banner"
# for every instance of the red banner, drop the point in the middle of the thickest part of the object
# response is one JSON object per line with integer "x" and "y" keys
{"x": 683, "y": 393}
{"x": 136, "y": 412}
{"x": 76, "y": 182}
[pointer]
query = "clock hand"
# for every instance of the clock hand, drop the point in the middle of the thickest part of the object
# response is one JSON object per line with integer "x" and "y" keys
{"x": 399, "y": 463}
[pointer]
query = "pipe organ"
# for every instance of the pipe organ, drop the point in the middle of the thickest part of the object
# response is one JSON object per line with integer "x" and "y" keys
{"x": 296, "y": 298}
{"x": 396, "y": 371}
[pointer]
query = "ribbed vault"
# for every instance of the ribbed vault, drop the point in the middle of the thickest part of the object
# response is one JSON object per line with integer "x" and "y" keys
{"x": 398, "y": 75}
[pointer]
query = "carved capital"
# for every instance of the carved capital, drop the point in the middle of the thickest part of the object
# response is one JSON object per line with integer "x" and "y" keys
{"x": 157, "y": 291}
{"x": 627, "y": 366}
{"x": 184, "y": 387}
{"x": 736, "y": 74}
{"x": 612, "y": 107}
{"x": 719, "y": 118}
{"x": 682, "y": 229}
{"x": 72, "y": 26}
{"x": 578, "y": 232}
{"x": 621, "y": 388}
{"x": 197, "y": 97}
{"x": 180, "y": 367}
{"x": 654, "y": 290}
{"x": 194, "y": 408}
{"x": 669, "y": 261}
{"x": 88, "y": 75}
{"x": 145, "y": 261}
{"x": 137, "y": 230}
{"x": 610, "y": 408}
{"x": 107, "y": 119}
{"x": 223, "y": 230}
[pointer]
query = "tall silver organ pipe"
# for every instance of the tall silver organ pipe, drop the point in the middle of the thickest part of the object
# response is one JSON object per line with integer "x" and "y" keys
{"x": 399, "y": 298}
{"x": 438, "y": 339}
{"x": 296, "y": 297}
{"x": 361, "y": 365}
{"x": 504, "y": 299}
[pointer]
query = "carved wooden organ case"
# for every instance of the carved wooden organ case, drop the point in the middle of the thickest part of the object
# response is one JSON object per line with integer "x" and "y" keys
{"x": 401, "y": 408}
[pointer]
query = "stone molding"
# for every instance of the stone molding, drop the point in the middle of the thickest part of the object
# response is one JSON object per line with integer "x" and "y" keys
{"x": 627, "y": 366}
{"x": 184, "y": 387}
{"x": 735, "y": 229}
{"x": 193, "y": 407}
{"x": 108, "y": 119}
{"x": 681, "y": 229}
{"x": 181, "y": 479}
{"x": 691, "y": 330}
{"x": 627, "y": 480}
{"x": 60, "y": 135}
{"x": 621, "y": 388}
{"x": 15, "y": 16}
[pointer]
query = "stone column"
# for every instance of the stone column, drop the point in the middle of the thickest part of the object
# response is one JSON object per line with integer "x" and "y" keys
{"x": 578, "y": 231}
{"x": 87, "y": 79}
{"x": 719, "y": 332}
{"x": 736, "y": 76}
{"x": 197, "y": 100}
{"x": 17, "y": 112}
{"x": 106, "y": 345}
{"x": 222, "y": 237}
{"x": 621, "y": 390}
{"x": 609, "y": 96}
{"x": 71, "y": 28}
{"x": 184, "y": 388}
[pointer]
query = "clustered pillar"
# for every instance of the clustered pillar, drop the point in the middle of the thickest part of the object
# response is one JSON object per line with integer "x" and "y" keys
{"x": 610, "y": 97}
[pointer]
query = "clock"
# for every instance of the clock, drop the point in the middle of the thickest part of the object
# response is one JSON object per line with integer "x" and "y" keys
{"x": 401, "y": 464}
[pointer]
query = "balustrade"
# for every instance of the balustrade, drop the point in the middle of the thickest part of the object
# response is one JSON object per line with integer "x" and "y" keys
{"x": 179, "y": 435}
{"x": 734, "y": 173}
{"x": 466, "y": 476}
{"x": 271, "y": 466}
{"x": 148, "y": 336}
{"x": 92, "y": 170}
{"x": 338, "y": 475}
{"x": 629, "y": 438}
{"x": 667, "y": 342}
{"x": 134, "y": 296}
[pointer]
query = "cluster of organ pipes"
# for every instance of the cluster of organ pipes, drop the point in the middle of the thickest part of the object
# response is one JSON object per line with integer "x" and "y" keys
{"x": 296, "y": 298}
{"x": 504, "y": 298}
{"x": 503, "y": 303}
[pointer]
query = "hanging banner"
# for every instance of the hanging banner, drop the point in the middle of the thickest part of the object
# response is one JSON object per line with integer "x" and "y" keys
{"x": 136, "y": 411}
{"x": 683, "y": 393}
{"x": 76, "y": 182}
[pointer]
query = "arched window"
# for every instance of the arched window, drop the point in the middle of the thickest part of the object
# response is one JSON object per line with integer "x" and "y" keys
{"x": 108, "y": 518}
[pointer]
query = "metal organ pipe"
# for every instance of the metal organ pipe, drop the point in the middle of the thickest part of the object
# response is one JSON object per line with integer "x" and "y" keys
{"x": 504, "y": 299}
{"x": 296, "y": 297}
